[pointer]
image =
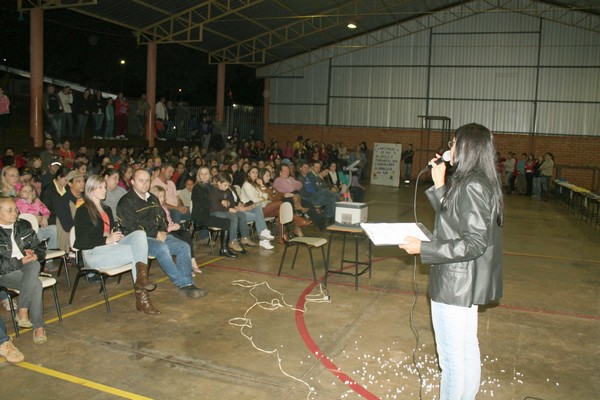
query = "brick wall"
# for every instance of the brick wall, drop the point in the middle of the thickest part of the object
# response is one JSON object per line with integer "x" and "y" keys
{"x": 578, "y": 151}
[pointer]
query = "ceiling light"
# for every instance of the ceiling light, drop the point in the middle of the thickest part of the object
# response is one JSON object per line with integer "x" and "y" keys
{"x": 352, "y": 25}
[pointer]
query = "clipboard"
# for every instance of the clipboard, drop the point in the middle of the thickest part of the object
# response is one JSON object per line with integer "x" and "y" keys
{"x": 393, "y": 234}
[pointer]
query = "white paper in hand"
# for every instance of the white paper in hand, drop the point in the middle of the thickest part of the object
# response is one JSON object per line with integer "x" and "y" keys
{"x": 394, "y": 234}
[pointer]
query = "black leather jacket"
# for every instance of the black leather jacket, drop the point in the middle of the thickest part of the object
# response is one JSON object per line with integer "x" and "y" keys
{"x": 466, "y": 256}
{"x": 25, "y": 238}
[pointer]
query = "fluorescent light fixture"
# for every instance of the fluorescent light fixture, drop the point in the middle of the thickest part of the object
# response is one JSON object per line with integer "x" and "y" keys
{"x": 352, "y": 25}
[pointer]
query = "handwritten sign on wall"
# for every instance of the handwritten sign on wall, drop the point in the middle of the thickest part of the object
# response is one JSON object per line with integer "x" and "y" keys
{"x": 385, "y": 169}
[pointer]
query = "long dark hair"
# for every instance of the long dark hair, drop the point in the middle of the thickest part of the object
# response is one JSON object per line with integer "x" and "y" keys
{"x": 475, "y": 153}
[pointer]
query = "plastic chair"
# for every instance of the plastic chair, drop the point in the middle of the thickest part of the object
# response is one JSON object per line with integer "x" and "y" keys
{"x": 286, "y": 215}
{"x": 47, "y": 281}
{"x": 51, "y": 254}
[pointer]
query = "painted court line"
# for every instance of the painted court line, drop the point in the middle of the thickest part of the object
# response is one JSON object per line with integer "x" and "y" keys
{"x": 81, "y": 381}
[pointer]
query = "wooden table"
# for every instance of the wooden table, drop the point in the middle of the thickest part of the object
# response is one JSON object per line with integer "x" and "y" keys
{"x": 359, "y": 235}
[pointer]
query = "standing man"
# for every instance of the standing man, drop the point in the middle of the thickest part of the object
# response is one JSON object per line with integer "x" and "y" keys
{"x": 141, "y": 113}
{"x": 66, "y": 98}
{"x": 407, "y": 157}
{"x": 53, "y": 109}
{"x": 465, "y": 256}
{"x": 162, "y": 117}
{"x": 139, "y": 209}
{"x": 4, "y": 112}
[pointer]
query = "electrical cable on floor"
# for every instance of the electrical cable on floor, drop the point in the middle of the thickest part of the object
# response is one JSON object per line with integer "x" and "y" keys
{"x": 274, "y": 304}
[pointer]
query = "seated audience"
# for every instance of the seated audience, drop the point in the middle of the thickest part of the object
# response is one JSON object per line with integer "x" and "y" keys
{"x": 113, "y": 191}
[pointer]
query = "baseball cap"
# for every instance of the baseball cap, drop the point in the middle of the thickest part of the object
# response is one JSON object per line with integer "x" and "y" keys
{"x": 74, "y": 174}
{"x": 287, "y": 161}
{"x": 54, "y": 161}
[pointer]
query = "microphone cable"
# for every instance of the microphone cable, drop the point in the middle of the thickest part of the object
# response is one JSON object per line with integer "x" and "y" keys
{"x": 416, "y": 290}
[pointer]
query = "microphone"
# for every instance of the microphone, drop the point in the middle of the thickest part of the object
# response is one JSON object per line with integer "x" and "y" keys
{"x": 444, "y": 158}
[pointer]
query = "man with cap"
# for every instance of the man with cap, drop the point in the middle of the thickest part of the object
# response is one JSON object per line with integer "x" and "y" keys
{"x": 53, "y": 166}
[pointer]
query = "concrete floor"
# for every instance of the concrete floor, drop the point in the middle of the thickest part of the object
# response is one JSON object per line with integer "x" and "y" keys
{"x": 540, "y": 342}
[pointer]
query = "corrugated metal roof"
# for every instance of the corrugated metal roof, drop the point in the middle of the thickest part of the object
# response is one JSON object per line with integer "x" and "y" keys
{"x": 262, "y": 32}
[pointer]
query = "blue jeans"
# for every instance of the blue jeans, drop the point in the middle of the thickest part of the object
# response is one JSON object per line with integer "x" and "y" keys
{"x": 48, "y": 232}
{"x": 109, "y": 127}
{"x": 236, "y": 220}
{"x": 257, "y": 216}
{"x": 177, "y": 216}
{"x": 537, "y": 186}
{"x": 407, "y": 171}
{"x": 3, "y": 336}
{"x": 133, "y": 248}
{"x": 98, "y": 119}
{"x": 458, "y": 350}
{"x": 82, "y": 120}
{"x": 180, "y": 273}
{"x": 27, "y": 282}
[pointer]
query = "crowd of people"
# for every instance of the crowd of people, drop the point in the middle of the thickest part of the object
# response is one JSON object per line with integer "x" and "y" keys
{"x": 528, "y": 175}
{"x": 126, "y": 204}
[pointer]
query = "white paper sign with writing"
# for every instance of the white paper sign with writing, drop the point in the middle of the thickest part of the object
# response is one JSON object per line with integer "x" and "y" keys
{"x": 385, "y": 169}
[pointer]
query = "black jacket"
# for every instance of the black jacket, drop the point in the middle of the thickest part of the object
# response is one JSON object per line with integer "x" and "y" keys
{"x": 466, "y": 255}
{"x": 88, "y": 235}
{"x": 134, "y": 213}
{"x": 26, "y": 238}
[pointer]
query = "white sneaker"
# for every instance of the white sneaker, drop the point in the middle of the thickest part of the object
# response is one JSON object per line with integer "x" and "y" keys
{"x": 265, "y": 234}
{"x": 265, "y": 244}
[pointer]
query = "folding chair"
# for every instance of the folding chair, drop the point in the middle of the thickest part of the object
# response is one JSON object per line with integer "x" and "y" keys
{"x": 286, "y": 215}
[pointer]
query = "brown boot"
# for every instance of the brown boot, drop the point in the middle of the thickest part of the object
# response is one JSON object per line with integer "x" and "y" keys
{"x": 298, "y": 204}
{"x": 143, "y": 303}
{"x": 142, "y": 281}
{"x": 302, "y": 222}
{"x": 235, "y": 246}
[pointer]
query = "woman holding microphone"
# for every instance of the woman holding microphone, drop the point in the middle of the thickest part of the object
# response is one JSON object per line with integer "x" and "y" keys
{"x": 465, "y": 256}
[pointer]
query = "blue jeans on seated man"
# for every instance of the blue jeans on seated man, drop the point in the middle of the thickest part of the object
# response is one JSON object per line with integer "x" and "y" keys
{"x": 181, "y": 273}
{"x": 237, "y": 221}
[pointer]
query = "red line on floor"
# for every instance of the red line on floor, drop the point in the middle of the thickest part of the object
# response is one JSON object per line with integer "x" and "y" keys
{"x": 316, "y": 351}
{"x": 410, "y": 293}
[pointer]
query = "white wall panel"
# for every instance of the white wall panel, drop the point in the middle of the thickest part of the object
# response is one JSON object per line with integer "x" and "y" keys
{"x": 407, "y": 50}
{"x": 570, "y": 84}
{"x": 378, "y": 82}
{"x": 483, "y": 83}
{"x": 485, "y": 49}
{"x": 312, "y": 88}
{"x": 297, "y": 114}
{"x": 498, "y": 116}
{"x": 497, "y": 21}
{"x": 568, "y": 45}
{"x": 564, "y": 118}
{"x": 375, "y": 112}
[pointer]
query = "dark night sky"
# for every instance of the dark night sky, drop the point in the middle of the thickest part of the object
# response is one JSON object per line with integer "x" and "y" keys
{"x": 87, "y": 51}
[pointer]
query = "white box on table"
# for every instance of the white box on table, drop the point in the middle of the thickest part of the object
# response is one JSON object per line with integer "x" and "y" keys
{"x": 349, "y": 213}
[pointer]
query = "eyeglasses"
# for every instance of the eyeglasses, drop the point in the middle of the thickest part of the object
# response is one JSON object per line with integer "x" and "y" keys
{"x": 451, "y": 143}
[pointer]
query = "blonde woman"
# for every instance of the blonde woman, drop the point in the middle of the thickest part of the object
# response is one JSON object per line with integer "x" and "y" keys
{"x": 104, "y": 245}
